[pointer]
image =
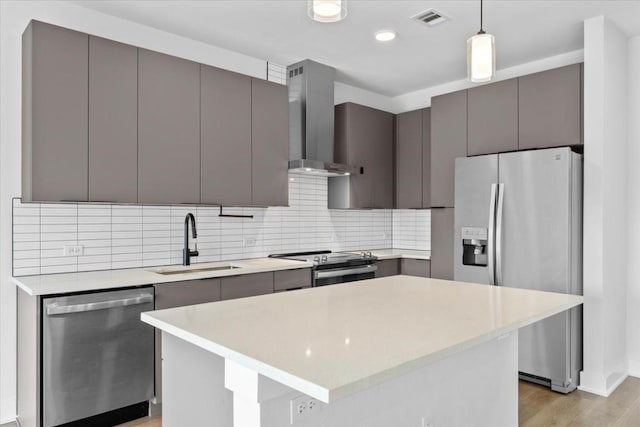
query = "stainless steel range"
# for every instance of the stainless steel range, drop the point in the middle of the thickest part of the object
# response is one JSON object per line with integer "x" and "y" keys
{"x": 330, "y": 268}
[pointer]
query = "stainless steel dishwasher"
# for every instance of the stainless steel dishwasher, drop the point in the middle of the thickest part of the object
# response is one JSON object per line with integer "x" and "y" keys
{"x": 97, "y": 357}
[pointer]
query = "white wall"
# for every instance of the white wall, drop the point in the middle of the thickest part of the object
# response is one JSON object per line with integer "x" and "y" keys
{"x": 605, "y": 216}
{"x": 633, "y": 196}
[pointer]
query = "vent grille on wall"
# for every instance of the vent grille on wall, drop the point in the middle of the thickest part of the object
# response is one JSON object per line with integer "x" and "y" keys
{"x": 430, "y": 17}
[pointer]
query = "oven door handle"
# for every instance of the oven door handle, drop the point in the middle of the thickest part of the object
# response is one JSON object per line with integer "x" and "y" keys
{"x": 343, "y": 272}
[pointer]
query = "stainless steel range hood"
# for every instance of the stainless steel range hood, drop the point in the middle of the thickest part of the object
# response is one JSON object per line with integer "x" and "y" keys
{"x": 311, "y": 117}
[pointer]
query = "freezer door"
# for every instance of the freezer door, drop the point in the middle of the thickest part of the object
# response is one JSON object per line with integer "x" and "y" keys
{"x": 536, "y": 249}
{"x": 474, "y": 177}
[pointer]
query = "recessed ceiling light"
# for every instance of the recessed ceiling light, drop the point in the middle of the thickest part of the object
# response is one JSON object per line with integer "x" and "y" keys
{"x": 327, "y": 10}
{"x": 385, "y": 35}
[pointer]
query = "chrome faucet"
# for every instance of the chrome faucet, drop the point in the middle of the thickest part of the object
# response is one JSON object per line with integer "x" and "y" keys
{"x": 186, "y": 252}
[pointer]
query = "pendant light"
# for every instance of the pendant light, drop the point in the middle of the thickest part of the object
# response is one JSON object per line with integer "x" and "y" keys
{"x": 481, "y": 55}
{"x": 327, "y": 10}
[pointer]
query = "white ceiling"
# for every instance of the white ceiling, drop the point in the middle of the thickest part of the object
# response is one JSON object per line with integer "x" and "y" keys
{"x": 421, "y": 56}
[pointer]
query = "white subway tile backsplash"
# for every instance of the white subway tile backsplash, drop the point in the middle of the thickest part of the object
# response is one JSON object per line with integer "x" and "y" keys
{"x": 129, "y": 236}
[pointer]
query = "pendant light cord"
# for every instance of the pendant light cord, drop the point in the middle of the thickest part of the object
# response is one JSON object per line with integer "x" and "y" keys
{"x": 481, "y": 29}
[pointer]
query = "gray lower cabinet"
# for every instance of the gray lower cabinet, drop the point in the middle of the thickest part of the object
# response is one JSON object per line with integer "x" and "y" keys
{"x": 448, "y": 141}
{"x": 225, "y": 141}
{"x": 364, "y": 138}
{"x": 413, "y": 159}
{"x": 247, "y": 285}
{"x": 493, "y": 118}
{"x": 54, "y": 113}
{"x": 415, "y": 267}
{"x": 442, "y": 235}
{"x": 270, "y": 143}
{"x": 387, "y": 267}
{"x": 289, "y": 280}
{"x": 550, "y": 108}
{"x": 113, "y": 121}
{"x": 168, "y": 129}
{"x": 179, "y": 294}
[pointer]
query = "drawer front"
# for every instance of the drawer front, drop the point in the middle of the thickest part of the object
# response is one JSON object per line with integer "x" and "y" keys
{"x": 387, "y": 267}
{"x": 188, "y": 292}
{"x": 415, "y": 267}
{"x": 292, "y": 279}
{"x": 247, "y": 285}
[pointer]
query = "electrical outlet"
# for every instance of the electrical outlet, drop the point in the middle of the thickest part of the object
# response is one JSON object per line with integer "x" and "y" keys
{"x": 302, "y": 407}
{"x": 73, "y": 250}
{"x": 249, "y": 241}
{"x": 425, "y": 422}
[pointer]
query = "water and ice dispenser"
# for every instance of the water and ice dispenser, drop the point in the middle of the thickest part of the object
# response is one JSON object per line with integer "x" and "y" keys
{"x": 474, "y": 246}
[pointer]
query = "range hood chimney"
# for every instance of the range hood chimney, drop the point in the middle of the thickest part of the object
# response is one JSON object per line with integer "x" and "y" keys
{"x": 311, "y": 120}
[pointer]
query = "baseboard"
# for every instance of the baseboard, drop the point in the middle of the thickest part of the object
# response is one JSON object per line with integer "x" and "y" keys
{"x": 634, "y": 368}
{"x": 601, "y": 386}
{"x": 8, "y": 422}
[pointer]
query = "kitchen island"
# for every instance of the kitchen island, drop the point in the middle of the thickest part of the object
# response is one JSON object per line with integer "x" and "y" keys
{"x": 393, "y": 351}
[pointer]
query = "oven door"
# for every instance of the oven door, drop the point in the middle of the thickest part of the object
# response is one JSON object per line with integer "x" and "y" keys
{"x": 343, "y": 275}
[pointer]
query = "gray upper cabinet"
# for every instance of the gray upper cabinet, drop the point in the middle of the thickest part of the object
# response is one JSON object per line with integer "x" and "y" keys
{"x": 426, "y": 158}
{"x": 550, "y": 108}
{"x": 442, "y": 232}
{"x": 413, "y": 159}
{"x": 225, "y": 150}
{"x": 448, "y": 141}
{"x": 113, "y": 121}
{"x": 168, "y": 129}
{"x": 364, "y": 138}
{"x": 493, "y": 118}
{"x": 409, "y": 160}
{"x": 55, "y": 113}
{"x": 270, "y": 143}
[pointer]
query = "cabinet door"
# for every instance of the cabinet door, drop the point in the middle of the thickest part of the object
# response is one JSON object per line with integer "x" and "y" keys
{"x": 409, "y": 160}
{"x": 448, "y": 141}
{"x": 168, "y": 129}
{"x": 387, "y": 267}
{"x": 55, "y": 113}
{"x": 442, "y": 243}
{"x": 113, "y": 121}
{"x": 270, "y": 143}
{"x": 493, "y": 118}
{"x": 550, "y": 108}
{"x": 285, "y": 280}
{"x": 180, "y": 294}
{"x": 225, "y": 150}
{"x": 426, "y": 158}
{"x": 247, "y": 285}
{"x": 380, "y": 165}
{"x": 415, "y": 267}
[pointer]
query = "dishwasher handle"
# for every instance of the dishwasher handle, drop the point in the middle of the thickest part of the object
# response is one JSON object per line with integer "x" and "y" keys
{"x": 55, "y": 309}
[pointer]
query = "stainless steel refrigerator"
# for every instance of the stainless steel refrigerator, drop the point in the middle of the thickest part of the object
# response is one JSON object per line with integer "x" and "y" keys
{"x": 518, "y": 223}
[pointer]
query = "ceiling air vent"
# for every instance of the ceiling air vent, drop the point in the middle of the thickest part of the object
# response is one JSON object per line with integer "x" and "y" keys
{"x": 430, "y": 17}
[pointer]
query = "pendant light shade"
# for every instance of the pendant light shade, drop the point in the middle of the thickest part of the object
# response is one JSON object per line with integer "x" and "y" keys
{"x": 327, "y": 10}
{"x": 481, "y": 55}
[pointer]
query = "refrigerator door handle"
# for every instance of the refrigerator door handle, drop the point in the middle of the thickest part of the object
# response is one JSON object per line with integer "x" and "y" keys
{"x": 499, "y": 235}
{"x": 491, "y": 237}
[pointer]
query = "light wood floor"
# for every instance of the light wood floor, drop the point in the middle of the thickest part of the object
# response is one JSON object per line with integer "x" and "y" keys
{"x": 540, "y": 407}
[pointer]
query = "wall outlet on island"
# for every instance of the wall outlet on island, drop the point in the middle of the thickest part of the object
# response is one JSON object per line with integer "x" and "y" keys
{"x": 302, "y": 407}
{"x": 72, "y": 250}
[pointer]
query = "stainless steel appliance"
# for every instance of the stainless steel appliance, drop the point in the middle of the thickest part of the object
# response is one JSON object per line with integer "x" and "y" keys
{"x": 97, "y": 357}
{"x": 518, "y": 223}
{"x": 330, "y": 268}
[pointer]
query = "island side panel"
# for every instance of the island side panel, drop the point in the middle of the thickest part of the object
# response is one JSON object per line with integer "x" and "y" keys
{"x": 28, "y": 360}
{"x": 193, "y": 386}
{"x": 477, "y": 387}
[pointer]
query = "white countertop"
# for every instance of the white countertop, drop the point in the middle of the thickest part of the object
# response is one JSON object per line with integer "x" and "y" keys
{"x": 332, "y": 341}
{"x": 110, "y": 279}
{"x": 397, "y": 253}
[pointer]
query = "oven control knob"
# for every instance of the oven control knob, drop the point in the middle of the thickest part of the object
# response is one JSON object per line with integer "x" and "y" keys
{"x": 363, "y": 254}
{"x": 368, "y": 254}
{"x": 324, "y": 258}
{"x": 316, "y": 259}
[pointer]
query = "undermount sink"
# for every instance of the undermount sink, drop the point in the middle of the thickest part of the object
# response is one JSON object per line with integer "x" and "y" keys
{"x": 195, "y": 268}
